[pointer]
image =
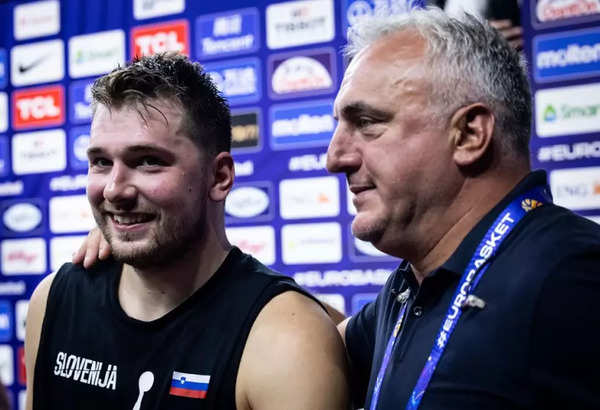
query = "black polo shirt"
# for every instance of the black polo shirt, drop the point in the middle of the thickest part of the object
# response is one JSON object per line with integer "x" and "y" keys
{"x": 535, "y": 344}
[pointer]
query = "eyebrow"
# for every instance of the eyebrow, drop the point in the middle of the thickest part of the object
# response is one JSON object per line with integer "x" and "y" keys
{"x": 134, "y": 149}
{"x": 356, "y": 109}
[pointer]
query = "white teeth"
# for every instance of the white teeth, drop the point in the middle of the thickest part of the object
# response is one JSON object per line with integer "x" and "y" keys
{"x": 129, "y": 220}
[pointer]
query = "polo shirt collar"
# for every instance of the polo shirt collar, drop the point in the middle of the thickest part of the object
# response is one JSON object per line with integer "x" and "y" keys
{"x": 459, "y": 260}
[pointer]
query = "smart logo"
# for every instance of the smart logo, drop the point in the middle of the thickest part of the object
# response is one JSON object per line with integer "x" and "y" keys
{"x": 226, "y": 34}
{"x": 238, "y": 80}
{"x": 159, "y": 38}
{"x": 309, "y": 124}
{"x": 6, "y": 321}
{"x": 79, "y": 140}
{"x": 80, "y": 99}
{"x": 567, "y": 110}
{"x": 38, "y": 107}
{"x": 571, "y": 54}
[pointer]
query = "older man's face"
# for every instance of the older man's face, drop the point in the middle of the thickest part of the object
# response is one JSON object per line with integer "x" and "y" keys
{"x": 395, "y": 156}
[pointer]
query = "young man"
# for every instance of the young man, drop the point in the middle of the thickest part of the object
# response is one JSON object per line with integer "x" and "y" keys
{"x": 179, "y": 319}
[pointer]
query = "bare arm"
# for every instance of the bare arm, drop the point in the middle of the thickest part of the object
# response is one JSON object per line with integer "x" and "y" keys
{"x": 294, "y": 359}
{"x": 35, "y": 318}
{"x": 93, "y": 249}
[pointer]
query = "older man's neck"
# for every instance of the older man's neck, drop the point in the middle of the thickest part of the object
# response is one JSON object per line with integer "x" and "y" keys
{"x": 478, "y": 197}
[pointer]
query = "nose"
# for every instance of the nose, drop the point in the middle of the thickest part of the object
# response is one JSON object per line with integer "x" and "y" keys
{"x": 342, "y": 153}
{"x": 119, "y": 188}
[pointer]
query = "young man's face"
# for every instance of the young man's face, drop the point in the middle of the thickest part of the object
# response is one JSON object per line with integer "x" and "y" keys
{"x": 147, "y": 183}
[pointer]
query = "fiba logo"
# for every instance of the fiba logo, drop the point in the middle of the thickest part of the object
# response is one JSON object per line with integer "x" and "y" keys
{"x": 529, "y": 204}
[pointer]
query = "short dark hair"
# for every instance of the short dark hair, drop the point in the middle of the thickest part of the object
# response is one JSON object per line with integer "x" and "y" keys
{"x": 171, "y": 76}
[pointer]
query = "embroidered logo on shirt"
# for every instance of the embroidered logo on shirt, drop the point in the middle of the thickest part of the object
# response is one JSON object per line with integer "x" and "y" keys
{"x": 189, "y": 385}
{"x": 87, "y": 371}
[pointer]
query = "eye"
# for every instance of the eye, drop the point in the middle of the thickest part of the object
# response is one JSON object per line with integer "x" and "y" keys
{"x": 100, "y": 162}
{"x": 363, "y": 122}
{"x": 151, "y": 161}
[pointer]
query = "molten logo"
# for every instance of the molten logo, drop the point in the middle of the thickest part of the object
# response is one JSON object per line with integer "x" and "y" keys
{"x": 38, "y": 107}
{"x": 159, "y": 38}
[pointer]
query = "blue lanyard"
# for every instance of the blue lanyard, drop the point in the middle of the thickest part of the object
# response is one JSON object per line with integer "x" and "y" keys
{"x": 500, "y": 229}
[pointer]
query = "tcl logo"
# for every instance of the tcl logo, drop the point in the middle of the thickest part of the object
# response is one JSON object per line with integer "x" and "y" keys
{"x": 38, "y": 107}
{"x": 159, "y": 38}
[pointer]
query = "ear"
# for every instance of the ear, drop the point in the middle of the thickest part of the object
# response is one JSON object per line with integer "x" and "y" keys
{"x": 471, "y": 131}
{"x": 224, "y": 175}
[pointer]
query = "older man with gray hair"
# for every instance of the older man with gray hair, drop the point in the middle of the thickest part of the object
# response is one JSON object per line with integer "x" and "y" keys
{"x": 495, "y": 304}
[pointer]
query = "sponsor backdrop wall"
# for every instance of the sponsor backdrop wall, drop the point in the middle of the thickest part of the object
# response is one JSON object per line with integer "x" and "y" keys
{"x": 279, "y": 65}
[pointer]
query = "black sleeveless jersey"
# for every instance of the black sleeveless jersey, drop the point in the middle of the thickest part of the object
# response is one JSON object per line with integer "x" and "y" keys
{"x": 93, "y": 356}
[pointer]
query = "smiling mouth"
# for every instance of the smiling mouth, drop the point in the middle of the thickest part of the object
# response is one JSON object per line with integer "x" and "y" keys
{"x": 130, "y": 219}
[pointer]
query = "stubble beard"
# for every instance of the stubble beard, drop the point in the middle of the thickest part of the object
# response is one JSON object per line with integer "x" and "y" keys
{"x": 170, "y": 241}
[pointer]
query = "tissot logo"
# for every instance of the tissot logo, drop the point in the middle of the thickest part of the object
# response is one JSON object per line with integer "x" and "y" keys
{"x": 159, "y": 38}
{"x": 38, "y": 107}
{"x": 37, "y": 63}
{"x": 295, "y": 23}
{"x": 41, "y": 151}
{"x": 246, "y": 130}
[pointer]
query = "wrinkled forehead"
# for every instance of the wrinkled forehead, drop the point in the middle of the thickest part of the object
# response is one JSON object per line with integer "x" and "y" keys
{"x": 394, "y": 63}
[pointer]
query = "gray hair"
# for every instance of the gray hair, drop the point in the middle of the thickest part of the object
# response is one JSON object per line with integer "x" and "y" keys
{"x": 468, "y": 61}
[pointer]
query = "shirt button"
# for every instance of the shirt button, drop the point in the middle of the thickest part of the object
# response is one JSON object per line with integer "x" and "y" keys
{"x": 417, "y": 311}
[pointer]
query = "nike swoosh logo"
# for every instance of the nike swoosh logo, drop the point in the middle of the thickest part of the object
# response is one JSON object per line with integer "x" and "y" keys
{"x": 24, "y": 68}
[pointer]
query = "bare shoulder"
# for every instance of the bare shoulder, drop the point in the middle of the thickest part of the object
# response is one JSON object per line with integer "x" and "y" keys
{"x": 294, "y": 358}
{"x": 35, "y": 318}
